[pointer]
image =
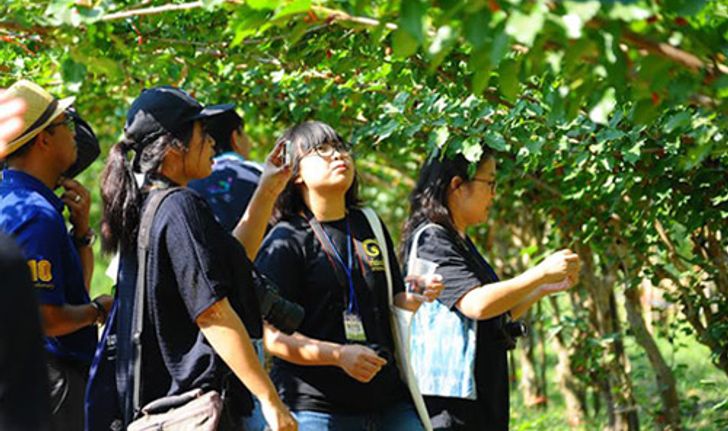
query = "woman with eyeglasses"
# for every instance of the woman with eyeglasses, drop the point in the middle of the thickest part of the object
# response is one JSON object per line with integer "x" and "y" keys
{"x": 199, "y": 308}
{"x": 459, "y": 342}
{"x": 338, "y": 371}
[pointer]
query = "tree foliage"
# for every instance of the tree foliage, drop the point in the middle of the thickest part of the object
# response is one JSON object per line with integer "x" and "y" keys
{"x": 610, "y": 116}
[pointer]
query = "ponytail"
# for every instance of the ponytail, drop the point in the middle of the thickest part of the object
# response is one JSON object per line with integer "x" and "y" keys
{"x": 121, "y": 199}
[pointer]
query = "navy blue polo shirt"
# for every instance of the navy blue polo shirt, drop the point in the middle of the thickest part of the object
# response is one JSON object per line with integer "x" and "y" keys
{"x": 229, "y": 188}
{"x": 32, "y": 214}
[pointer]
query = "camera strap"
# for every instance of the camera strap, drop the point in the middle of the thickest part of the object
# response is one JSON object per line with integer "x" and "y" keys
{"x": 154, "y": 201}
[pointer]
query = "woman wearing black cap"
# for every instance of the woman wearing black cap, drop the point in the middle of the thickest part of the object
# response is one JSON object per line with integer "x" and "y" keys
{"x": 459, "y": 342}
{"x": 199, "y": 309}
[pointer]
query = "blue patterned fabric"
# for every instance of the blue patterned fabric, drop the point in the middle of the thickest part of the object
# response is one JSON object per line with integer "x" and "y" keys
{"x": 443, "y": 351}
{"x": 442, "y": 346}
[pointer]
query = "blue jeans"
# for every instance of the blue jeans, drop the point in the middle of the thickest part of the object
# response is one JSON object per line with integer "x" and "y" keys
{"x": 400, "y": 417}
{"x": 256, "y": 421}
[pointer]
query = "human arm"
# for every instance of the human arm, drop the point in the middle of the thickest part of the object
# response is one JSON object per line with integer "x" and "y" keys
{"x": 78, "y": 200}
{"x": 251, "y": 227}
{"x": 58, "y": 320}
{"x": 518, "y": 293}
{"x": 359, "y": 362}
{"x": 543, "y": 291}
{"x": 227, "y": 335}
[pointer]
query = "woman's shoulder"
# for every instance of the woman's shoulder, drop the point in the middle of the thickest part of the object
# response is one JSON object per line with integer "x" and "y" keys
{"x": 184, "y": 204}
{"x": 294, "y": 228}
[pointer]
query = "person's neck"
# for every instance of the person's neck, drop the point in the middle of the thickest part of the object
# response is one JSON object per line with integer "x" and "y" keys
{"x": 458, "y": 223}
{"x": 176, "y": 176}
{"x": 38, "y": 171}
{"x": 326, "y": 207}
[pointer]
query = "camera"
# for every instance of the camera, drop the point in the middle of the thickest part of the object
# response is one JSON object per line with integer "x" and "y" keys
{"x": 276, "y": 310}
{"x": 511, "y": 330}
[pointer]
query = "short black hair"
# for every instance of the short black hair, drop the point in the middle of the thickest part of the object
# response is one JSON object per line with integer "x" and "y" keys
{"x": 220, "y": 127}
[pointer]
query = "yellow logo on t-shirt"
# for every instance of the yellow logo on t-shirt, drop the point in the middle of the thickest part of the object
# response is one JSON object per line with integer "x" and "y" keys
{"x": 41, "y": 271}
{"x": 374, "y": 254}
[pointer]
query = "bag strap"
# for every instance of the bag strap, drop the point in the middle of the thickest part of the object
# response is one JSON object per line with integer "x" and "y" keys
{"x": 376, "y": 226}
{"x": 150, "y": 210}
{"x": 416, "y": 240}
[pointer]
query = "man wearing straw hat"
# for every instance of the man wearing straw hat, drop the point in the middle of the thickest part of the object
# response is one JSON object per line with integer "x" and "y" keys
{"x": 60, "y": 263}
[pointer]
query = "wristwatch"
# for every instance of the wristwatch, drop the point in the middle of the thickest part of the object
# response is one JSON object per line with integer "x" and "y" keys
{"x": 100, "y": 312}
{"x": 86, "y": 240}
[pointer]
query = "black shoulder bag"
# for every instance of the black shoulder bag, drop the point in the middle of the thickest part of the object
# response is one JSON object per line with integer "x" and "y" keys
{"x": 194, "y": 409}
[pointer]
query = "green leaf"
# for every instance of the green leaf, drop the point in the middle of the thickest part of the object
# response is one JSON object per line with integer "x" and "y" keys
{"x": 495, "y": 140}
{"x": 403, "y": 43}
{"x": 685, "y": 7}
{"x": 471, "y": 150}
{"x": 476, "y": 28}
{"x": 411, "y": 17}
{"x": 578, "y": 14}
{"x": 525, "y": 28}
{"x": 633, "y": 154}
{"x": 600, "y": 112}
{"x": 263, "y": 4}
{"x": 629, "y": 12}
{"x": 645, "y": 112}
{"x": 680, "y": 120}
{"x": 508, "y": 78}
{"x": 293, "y": 8}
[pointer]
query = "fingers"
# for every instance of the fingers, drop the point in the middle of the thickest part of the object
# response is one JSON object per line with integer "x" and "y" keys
{"x": 11, "y": 121}
{"x": 276, "y": 156}
{"x": 373, "y": 359}
{"x": 74, "y": 186}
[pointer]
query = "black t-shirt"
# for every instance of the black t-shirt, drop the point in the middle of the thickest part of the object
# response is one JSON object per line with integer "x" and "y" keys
{"x": 193, "y": 263}
{"x": 463, "y": 269}
{"x": 295, "y": 260}
{"x": 24, "y": 402}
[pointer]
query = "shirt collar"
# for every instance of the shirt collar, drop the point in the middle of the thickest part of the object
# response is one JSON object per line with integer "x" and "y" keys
{"x": 20, "y": 180}
{"x": 230, "y": 155}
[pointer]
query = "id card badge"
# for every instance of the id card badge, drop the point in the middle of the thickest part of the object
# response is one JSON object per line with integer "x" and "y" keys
{"x": 353, "y": 327}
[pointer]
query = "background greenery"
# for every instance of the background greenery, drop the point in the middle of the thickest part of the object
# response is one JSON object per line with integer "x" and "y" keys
{"x": 609, "y": 118}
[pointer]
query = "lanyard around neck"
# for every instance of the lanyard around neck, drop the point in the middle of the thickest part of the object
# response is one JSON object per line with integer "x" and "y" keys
{"x": 348, "y": 267}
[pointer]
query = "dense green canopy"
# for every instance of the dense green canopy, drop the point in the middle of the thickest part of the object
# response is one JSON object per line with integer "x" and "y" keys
{"x": 610, "y": 116}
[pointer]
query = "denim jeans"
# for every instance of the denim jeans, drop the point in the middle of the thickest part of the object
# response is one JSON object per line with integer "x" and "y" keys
{"x": 400, "y": 417}
{"x": 256, "y": 421}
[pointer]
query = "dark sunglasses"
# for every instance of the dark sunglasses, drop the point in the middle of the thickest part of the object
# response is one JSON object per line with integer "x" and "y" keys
{"x": 68, "y": 122}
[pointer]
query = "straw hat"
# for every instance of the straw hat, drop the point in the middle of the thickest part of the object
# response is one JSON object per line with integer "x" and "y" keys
{"x": 41, "y": 110}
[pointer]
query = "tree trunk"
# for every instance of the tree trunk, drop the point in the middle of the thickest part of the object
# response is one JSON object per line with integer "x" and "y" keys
{"x": 617, "y": 388}
{"x": 529, "y": 383}
{"x": 669, "y": 417}
{"x": 569, "y": 385}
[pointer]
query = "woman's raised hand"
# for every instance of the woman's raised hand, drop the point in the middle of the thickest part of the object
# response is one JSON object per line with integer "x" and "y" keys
{"x": 276, "y": 172}
{"x": 558, "y": 266}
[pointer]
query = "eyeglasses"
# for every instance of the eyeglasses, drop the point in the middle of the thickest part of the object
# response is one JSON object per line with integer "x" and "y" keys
{"x": 490, "y": 183}
{"x": 326, "y": 150}
{"x": 67, "y": 121}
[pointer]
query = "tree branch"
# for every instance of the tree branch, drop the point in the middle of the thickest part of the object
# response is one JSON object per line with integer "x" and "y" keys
{"x": 151, "y": 10}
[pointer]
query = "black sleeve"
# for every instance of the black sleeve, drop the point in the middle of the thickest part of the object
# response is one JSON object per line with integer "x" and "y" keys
{"x": 195, "y": 241}
{"x": 281, "y": 259}
{"x": 437, "y": 245}
{"x": 397, "y": 279}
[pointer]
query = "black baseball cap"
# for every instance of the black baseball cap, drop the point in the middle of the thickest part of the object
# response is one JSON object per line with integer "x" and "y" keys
{"x": 86, "y": 143}
{"x": 221, "y": 126}
{"x": 166, "y": 109}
